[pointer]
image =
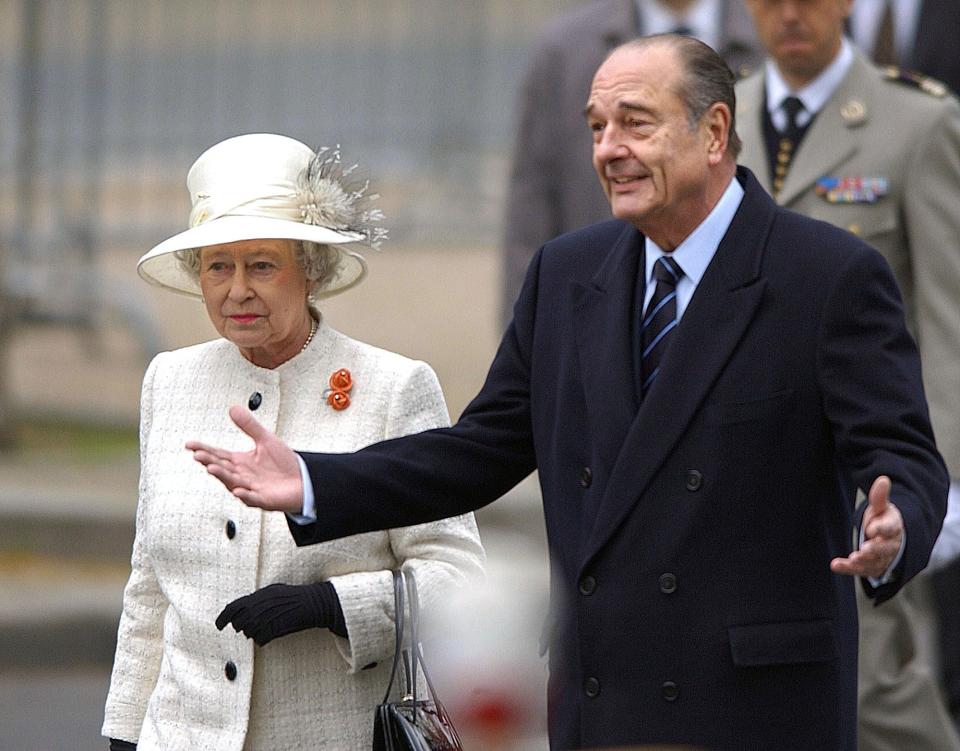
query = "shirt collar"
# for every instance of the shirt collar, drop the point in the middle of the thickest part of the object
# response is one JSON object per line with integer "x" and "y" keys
{"x": 816, "y": 93}
{"x": 697, "y": 250}
{"x": 702, "y": 18}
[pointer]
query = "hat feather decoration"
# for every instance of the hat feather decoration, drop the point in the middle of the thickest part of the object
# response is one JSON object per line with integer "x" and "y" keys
{"x": 330, "y": 197}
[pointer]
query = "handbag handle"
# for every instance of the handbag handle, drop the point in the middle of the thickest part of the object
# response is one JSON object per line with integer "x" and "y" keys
{"x": 406, "y": 581}
{"x": 398, "y": 588}
{"x": 414, "y": 598}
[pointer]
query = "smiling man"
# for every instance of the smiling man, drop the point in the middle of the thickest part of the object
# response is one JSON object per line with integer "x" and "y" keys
{"x": 703, "y": 384}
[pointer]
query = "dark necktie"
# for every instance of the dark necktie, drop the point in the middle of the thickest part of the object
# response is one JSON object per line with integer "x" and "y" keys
{"x": 884, "y": 48}
{"x": 659, "y": 320}
{"x": 789, "y": 140}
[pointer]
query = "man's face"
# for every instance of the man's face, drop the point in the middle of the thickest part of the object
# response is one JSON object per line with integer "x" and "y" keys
{"x": 651, "y": 163}
{"x": 802, "y": 36}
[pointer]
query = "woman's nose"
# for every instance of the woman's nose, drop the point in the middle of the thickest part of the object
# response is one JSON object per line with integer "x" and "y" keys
{"x": 239, "y": 287}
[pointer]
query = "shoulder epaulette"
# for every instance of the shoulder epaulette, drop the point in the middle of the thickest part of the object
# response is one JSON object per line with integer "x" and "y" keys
{"x": 928, "y": 85}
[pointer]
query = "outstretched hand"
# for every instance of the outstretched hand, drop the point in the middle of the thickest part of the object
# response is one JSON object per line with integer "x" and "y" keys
{"x": 883, "y": 534}
{"x": 267, "y": 477}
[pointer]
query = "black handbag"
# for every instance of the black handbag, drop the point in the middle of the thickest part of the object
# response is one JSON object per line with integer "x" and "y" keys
{"x": 413, "y": 723}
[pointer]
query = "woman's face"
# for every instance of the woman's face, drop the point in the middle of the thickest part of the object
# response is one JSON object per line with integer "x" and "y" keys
{"x": 256, "y": 296}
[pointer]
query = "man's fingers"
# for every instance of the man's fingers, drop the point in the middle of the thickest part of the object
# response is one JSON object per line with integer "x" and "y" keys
{"x": 243, "y": 418}
{"x": 227, "y": 476}
{"x": 250, "y": 498}
{"x": 198, "y": 447}
{"x": 879, "y": 496}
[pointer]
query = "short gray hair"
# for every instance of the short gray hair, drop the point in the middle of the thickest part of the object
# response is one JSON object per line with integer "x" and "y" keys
{"x": 318, "y": 261}
{"x": 706, "y": 79}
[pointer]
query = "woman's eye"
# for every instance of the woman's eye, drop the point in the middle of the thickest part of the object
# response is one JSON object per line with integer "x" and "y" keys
{"x": 262, "y": 266}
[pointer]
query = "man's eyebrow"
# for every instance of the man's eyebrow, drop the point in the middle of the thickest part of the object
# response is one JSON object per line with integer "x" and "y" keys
{"x": 622, "y": 105}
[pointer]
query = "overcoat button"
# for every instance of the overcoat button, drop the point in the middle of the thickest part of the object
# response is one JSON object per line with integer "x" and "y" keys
{"x": 587, "y": 585}
{"x": 670, "y": 690}
{"x": 668, "y": 583}
{"x": 586, "y": 477}
{"x": 256, "y": 399}
{"x": 591, "y": 687}
{"x": 231, "y": 529}
{"x": 230, "y": 670}
{"x": 694, "y": 480}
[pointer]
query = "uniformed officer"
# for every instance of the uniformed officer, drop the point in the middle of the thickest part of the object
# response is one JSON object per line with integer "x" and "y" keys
{"x": 876, "y": 151}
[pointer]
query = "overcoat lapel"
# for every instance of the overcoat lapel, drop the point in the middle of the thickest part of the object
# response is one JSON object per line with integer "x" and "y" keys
{"x": 603, "y": 331}
{"x": 721, "y": 309}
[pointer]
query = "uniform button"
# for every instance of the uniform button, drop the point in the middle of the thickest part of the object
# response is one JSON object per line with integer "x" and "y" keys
{"x": 586, "y": 477}
{"x": 230, "y": 670}
{"x": 591, "y": 687}
{"x": 256, "y": 399}
{"x": 587, "y": 585}
{"x": 668, "y": 583}
{"x": 694, "y": 480}
{"x": 670, "y": 690}
{"x": 231, "y": 529}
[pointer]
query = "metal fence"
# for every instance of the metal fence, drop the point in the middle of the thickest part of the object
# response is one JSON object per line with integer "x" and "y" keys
{"x": 105, "y": 103}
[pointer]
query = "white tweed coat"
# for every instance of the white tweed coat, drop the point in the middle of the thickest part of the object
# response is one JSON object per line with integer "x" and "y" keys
{"x": 197, "y": 548}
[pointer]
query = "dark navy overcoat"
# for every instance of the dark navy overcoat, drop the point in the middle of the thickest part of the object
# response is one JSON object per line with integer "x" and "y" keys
{"x": 690, "y": 535}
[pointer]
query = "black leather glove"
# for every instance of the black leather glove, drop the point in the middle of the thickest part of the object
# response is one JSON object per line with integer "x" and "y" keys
{"x": 117, "y": 745}
{"x": 281, "y": 609}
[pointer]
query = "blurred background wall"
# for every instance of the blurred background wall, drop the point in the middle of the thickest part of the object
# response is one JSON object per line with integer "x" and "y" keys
{"x": 104, "y": 104}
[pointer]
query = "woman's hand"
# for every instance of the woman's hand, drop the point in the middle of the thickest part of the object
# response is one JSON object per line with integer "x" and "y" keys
{"x": 281, "y": 609}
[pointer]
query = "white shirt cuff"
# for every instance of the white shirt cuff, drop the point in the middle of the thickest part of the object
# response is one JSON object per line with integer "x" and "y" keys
{"x": 308, "y": 515}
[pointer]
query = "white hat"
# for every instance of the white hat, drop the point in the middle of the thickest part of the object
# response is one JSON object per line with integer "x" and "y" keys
{"x": 265, "y": 186}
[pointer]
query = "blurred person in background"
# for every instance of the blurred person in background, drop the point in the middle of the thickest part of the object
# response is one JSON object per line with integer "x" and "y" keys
{"x": 552, "y": 187}
{"x": 875, "y": 151}
{"x": 916, "y": 35}
{"x": 267, "y": 237}
{"x": 703, "y": 384}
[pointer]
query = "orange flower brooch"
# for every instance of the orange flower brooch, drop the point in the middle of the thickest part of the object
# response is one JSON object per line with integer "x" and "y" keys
{"x": 338, "y": 395}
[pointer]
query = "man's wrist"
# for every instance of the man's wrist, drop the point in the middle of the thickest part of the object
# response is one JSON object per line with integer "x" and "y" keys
{"x": 308, "y": 512}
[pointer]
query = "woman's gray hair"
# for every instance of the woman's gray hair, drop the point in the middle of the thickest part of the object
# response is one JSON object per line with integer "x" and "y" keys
{"x": 318, "y": 261}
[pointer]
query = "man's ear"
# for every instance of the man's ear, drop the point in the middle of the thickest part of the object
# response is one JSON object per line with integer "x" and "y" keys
{"x": 716, "y": 127}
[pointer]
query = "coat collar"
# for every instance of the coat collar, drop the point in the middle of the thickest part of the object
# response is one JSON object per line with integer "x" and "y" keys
{"x": 715, "y": 320}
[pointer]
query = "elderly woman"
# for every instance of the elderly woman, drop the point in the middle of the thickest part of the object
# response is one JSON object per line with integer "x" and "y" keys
{"x": 269, "y": 224}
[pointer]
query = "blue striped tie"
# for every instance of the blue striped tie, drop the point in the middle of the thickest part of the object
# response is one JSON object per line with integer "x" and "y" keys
{"x": 659, "y": 319}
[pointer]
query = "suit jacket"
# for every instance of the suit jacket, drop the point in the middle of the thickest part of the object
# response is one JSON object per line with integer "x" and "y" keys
{"x": 197, "y": 548}
{"x": 875, "y": 126}
{"x": 691, "y": 538}
{"x": 553, "y": 188}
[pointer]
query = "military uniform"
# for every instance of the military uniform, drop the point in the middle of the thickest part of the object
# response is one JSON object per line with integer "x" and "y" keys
{"x": 882, "y": 159}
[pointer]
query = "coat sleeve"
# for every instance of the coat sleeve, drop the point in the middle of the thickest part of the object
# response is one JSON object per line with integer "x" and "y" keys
{"x": 442, "y": 472}
{"x": 868, "y": 370}
{"x": 931, "y": 191}
{"x": 443, "y": 554}
{"x": 136, "y": 663}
